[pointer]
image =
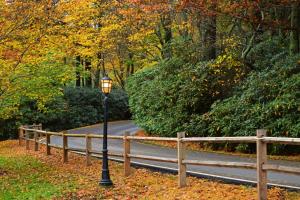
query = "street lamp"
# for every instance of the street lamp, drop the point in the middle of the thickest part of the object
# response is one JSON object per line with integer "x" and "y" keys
{"x": 106, "y": 84}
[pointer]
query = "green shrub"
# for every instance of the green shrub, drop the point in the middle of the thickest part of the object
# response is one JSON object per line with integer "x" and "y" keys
{"x": 77, "y": 107}
{"x": 267, "y": 99}
{"x": 207, "y": 98}
{"x": 265, "y": 54}
{"x": 165, "y": 97}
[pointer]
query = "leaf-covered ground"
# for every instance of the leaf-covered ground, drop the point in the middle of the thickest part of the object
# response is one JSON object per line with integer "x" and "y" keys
{"x": 33, "y": 175}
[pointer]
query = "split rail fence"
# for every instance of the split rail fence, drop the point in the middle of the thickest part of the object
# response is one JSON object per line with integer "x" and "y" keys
{"x": 33, "y": 133}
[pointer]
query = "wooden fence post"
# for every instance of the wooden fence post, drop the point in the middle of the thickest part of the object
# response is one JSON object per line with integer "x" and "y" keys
{"x": 40, "y": 126}
{"x": 88, "y": 148}
{"x": 126, "y": 143}
{"x": 48, "y": 150}
{"x": 27, "y": 139}
{"x": 181, "y": 156}
{"x": 261, "y": 153}
{"x": 20, "y": 135}
{"x": 36, "y": 144}
{"x": 65, "y": 148}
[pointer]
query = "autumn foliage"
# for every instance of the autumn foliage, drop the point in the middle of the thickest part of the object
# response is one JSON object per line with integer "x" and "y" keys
{"x": 82, "y": 181}
{"x": 201, "y": 55}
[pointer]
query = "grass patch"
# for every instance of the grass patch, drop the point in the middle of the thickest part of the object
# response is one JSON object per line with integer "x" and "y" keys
{"x": 28, "y": 178}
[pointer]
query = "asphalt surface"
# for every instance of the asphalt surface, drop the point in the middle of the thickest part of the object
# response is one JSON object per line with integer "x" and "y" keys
{"x": 116, "y": 146}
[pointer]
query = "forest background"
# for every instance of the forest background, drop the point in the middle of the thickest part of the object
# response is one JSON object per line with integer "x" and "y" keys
{"x": 207, "y": 67}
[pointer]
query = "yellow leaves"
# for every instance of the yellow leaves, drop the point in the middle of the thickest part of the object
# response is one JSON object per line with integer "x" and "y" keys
{"x": 226, "y": 60}
{"x": 110, "y": 30}
{"x": 139, "y": 36}
{"x": 95, "y": 27}
{"x": 31, "y": 52}
{"x": 227, "y": 67}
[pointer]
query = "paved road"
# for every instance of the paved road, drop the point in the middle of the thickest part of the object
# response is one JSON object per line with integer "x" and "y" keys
{"x": 119, "y": 127}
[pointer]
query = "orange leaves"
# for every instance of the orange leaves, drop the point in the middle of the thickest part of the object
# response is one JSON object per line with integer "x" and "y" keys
{"x": 151, "y": 5}
{"x": 10, "y": 54}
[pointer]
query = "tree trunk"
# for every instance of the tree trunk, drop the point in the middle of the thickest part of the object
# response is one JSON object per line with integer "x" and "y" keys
{"x": 97, "y": 78}
{"x": 88, "y": 67}
{"x": 183, "y": 20}
{"x": 294, "y": 34}
{"x": 208, "y": 32}
{"x": 77, "y": 64}
{"x": 103, "y": 65}
{"x": 207, "y": 29}
{"x": 82, "y": 77}
{"x": 130, "y": 65}
{"x": 166, "y": 23}
{"x": 100, "y": 64}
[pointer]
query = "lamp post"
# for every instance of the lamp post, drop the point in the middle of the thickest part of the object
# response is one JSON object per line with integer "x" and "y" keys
{"x": 106, "y": 84}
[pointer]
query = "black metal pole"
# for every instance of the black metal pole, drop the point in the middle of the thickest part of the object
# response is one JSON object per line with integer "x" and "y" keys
{"x": 105, "y": 172}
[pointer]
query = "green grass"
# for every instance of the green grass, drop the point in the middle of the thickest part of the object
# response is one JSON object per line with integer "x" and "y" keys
{"x": 28, "y": 178}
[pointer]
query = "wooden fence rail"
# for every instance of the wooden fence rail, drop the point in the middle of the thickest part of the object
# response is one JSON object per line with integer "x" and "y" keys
{"x": 33, "y": 133}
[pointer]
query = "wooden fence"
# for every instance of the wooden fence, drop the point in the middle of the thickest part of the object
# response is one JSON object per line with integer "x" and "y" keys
{"x": 34, "y": 133}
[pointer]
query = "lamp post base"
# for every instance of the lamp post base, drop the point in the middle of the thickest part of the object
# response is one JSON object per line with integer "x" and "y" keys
{"x": 106, "y": 182}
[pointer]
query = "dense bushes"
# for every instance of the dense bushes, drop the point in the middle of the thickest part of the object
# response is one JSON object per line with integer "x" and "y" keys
{"x": 267, "y": 99}
{"x": 206, "y": 100}
{"x": 165, "y": 97}
{"x": 77, "y": 107}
